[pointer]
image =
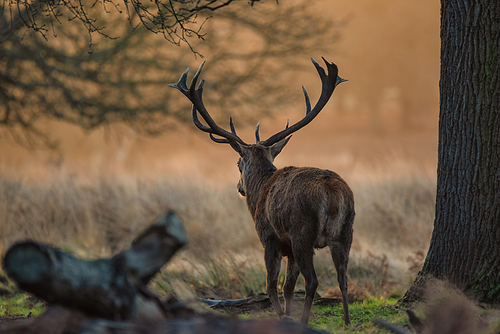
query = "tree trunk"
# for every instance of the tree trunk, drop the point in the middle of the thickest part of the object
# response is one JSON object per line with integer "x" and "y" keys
{"x": 465, "y": 245}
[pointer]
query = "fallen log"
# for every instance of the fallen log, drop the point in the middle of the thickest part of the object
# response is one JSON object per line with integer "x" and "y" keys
{"x": 107, "y": 288}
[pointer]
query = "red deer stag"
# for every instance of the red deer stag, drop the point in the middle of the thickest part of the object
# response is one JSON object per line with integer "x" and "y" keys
{"x": 295, "y": 209}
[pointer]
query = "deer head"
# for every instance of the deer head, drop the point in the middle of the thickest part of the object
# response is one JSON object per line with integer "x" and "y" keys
{"x": 263, "y": 153}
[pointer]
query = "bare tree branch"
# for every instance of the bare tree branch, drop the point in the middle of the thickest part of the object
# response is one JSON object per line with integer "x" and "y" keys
{"x": 175, "y": 20}
{"x": 125, "y": 80}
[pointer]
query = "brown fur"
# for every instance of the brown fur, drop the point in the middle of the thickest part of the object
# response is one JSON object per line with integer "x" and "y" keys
{"x": 296, "y": 209}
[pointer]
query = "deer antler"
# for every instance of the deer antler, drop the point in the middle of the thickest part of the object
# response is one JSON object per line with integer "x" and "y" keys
{"x": 195, "y": 96}
{"x": 329, "y": 82}
{"x": 328, "y": 86}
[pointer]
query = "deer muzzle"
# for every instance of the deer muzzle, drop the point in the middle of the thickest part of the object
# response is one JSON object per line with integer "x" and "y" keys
{"x": 241, "y": 188}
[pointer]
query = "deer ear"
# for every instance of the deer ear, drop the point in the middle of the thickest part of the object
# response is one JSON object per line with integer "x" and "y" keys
{"x": 237, "y": 146}
{"x": 276, "y": 148}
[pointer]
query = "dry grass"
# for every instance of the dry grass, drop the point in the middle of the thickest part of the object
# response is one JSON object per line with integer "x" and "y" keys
{"x": 98, "y": 217}
{"x": 395, "y": 218}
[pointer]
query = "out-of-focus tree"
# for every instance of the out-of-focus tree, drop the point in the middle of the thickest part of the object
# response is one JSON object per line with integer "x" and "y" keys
{"x": 47, "y": 76}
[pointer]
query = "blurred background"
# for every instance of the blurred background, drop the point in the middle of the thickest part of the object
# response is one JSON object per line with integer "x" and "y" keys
{"x": 94, "y": 145}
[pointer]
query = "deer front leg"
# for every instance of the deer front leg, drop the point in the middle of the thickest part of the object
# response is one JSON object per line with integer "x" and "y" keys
{"x": 292, "y": 272}
{"x": 273, "y": 263}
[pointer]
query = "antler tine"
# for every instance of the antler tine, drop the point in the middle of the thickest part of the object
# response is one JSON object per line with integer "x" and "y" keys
{"x": 219, "y": 140}
{"x": 197, "y": 122}
{"x": 257, "y": 135}
{"x": 195, "y": 96}
{"x": 223, "y": 140}
{"x": 181, "y": 85}
{"x": 328, "y": 84}
{"x": 308, "y": 102}
{"x": 231, "y": 125}
{"x": 205, "y": 128}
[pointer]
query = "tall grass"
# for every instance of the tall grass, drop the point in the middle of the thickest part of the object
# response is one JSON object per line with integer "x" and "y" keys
{"x": 98, "y": 217}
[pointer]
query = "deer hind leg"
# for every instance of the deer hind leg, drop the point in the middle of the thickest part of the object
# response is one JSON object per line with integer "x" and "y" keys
{"x": 304, "y": 259}
{"x": 340, "y": 256}
{"x": 272, "y": 259}
{"x": 292, "y": 272}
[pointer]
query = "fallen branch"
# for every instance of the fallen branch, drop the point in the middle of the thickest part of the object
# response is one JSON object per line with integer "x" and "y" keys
{"x": 262, "y": 301}
{"x": 415, "y": 323}
{"x": 391, "y": 327}
{"x": 106, "y": 288}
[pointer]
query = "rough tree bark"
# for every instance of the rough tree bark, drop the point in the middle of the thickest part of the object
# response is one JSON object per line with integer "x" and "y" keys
{"x": 465, "y": 245}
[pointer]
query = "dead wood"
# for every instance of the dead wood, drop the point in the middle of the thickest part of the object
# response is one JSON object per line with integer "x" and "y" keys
{"x": 258, "y": 302}
{"x": 396, "y": 329}
{"x": 106, "y": 288}
{"x": 262, "y": 301}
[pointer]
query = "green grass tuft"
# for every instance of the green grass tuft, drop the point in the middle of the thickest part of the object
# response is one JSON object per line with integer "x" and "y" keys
{"x": 21, "y": 305}
{"x": 329, "y": 318}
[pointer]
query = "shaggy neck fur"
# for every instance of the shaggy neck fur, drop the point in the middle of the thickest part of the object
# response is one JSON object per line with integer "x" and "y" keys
{"x": 256, "y": 173}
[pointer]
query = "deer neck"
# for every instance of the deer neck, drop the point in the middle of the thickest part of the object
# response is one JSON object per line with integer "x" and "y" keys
{"x": 254, "y": 181}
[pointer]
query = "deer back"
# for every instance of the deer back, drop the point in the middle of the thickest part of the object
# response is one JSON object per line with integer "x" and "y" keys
{"x": 304, "y": 203}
